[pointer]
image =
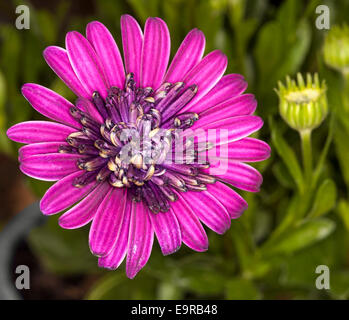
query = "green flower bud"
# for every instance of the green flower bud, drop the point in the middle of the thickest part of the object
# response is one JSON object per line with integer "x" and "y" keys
{"x": 336, "y": 48}
{"x": 303, "y": 104}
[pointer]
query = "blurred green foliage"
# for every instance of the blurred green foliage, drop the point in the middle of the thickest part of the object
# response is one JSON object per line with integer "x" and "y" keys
{"x": 291, "y": 226}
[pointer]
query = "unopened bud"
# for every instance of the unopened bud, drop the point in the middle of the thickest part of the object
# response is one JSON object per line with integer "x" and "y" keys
{"x": 303, "y": 104}
{"x": 336, "y": 48}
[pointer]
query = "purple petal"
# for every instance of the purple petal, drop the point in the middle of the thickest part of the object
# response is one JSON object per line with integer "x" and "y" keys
{"x": 228, "y": 86}
{"x": 238, "y": 174}
{"x": 86, "y": 64}
{"x": 209, "y": 210}
{"x": 63, "y": 194}
{"x": 238, "y": 106}
{"x": 87, "y": 106}
{"x": 39, "y": 131}
{"x": 140, "y": 241}
{"x": 193, "y": 234}
{"x": 132, "y": 41}
{"x": 108, "y": 52}
{"x": 167, "y": 230}
{"x": 57, "y": 59}
{"x": 82, "y": 213}
{"x": 155, "y": 52}
{"x": 240, "y": 124}
{"x": 246, "y": 150}
{"x": 107, "y": 222}
{"x": 187, "y": 57}
{"x": 224, "y": 131}
{"x": 116, "y": 256}
{"x": 231, "y": 200}
{"x": 39, "y": 148}
{"x": 49, "y": 103}
{"x": 205, "y": 75}
{"x": 50, "y": 167}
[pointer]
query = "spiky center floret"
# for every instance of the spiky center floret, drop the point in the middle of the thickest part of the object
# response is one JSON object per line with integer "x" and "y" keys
{"x": 303, "y": 96}
{"x": 135, "y": 146}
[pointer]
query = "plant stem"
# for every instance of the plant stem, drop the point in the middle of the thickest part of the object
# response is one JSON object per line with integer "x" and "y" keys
{"x": 307, "y": 157}
{"x": 345, "y": 97}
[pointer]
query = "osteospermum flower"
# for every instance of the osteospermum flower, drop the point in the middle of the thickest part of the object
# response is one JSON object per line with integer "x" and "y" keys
{"x": 115, "y": 152}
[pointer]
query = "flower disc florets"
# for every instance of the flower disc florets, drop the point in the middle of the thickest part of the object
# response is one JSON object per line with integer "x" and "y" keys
{"x": 134, "y": 145}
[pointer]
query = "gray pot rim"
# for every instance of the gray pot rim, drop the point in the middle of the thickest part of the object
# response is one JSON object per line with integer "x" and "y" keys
{"x": 15, "y": 231}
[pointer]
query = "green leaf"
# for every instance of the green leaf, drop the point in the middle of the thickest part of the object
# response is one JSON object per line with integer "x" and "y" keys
{"x": 287, "y": 155}
{"x": 297, "y": 50}
{"x": 340, "y": 284}
{"x": 283, "y": 176}
{"x": 301, "y": 237}
{"x": 270, "y": 36}
{"x": 290, "y": 37}
{"x": 298, "y": 270}
{"x": 343, "y": 211}
{"x": 241, "y": 289}
{"x": 341, "y": 138}
{"x": 325, "y": 199}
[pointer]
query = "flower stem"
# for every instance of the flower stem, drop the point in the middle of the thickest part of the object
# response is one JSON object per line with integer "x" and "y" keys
{"x": 307, "y": 157}
{"x": 345, "y": 92}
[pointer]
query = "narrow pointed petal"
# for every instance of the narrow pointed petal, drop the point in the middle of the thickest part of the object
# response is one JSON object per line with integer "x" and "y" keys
{"x": 238, "y": 174}
{"x": 193, "y": 233}
{"x": 117, "y": 255}
{"x": 63, "y": 194}
{"x": 82, "y": 213}
{"x": 244, "y": 125}
{"x": 238, "y": 106}
{"x": 229, "y": 86}
{"x": 57, "y": 59}
{"x": 231, "y": 200}
{"x": 155, "y": 52}
{"x": 86, "y": 64}
{"x": 50, "y": 167}
{"x": 39, "y": 148}
{"x": 140, "y": 241}
{"x": 205, "y": 75}
{"x": 39, "y": 131}
{"x": 187, "y": 57}
{"x": 209, "y": 210}
{"x": 108, "y": 52}
{"x": 132, "y": 41}
{"x": 226, "y": 130}
{"x": 49, "y": 104}
{"x": 107, "y": 222}
{"x": 245, "y": 150}
{"x": 167, "y": 231}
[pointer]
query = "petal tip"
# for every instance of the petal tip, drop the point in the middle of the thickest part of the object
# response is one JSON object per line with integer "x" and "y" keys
{"x": 44, "y": 208}
{"x": 167, "y": 252}
{"x": 103, "y": 264}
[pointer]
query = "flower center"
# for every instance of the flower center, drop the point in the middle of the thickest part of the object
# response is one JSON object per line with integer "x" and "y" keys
{"x": 303, "y": 96}
{"x": 133, "y": 144}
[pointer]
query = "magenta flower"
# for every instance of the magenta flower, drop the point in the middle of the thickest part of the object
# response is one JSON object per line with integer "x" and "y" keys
{"x": 116, "y": 154}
